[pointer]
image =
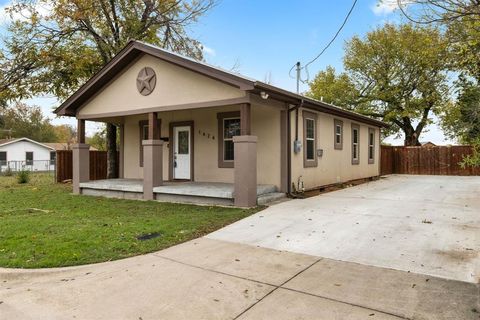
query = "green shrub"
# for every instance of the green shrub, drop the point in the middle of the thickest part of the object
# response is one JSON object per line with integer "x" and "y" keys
{"x": 8, "y": 172}
{"x": 23, "y": 176}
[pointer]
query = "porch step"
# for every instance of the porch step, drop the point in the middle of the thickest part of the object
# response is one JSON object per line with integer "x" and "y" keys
{"x": 268, "y": 198}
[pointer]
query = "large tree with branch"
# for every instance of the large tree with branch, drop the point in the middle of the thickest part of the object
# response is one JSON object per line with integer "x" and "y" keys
{"x": 396, "y": 74}
{"x": 461, "y": 21}
{"x": 53, "y": 46}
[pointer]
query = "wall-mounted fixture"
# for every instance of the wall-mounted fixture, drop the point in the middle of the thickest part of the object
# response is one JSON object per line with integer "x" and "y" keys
{"x": 319, "y": 153}
{"x": 264, "y": 95}
{"x": 297, "y": 146}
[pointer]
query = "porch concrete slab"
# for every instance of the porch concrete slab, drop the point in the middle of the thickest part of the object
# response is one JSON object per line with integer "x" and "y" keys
{"x": 126, "y": 185}
{"x": 405, "y": 294}
{"x": 206, "y": 189}
{"x": 254, "y": 263}
{"x": 423, "y": 224}
{"x": 286, "y": 305}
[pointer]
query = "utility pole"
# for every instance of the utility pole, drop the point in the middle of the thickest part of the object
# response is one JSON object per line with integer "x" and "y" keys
{"x": 298, "y": 76}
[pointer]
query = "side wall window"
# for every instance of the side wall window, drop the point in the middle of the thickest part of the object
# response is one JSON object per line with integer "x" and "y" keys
{"x": 53, "y": 157}
{"x": 29, "y": 158}
{"x": 3, "y": 158}
{"x": 228, "y": 127}
{"x": 355, "y": 144}
{"x": 371, "y": 145}
{"x": 338, "y": 134}
{"x": 309, "y": 139}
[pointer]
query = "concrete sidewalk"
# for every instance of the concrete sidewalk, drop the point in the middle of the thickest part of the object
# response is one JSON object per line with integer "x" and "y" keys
{"x": 212, "y": 279}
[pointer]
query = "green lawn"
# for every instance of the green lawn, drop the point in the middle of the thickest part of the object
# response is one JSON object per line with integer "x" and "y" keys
{"x": 43, "y": 225}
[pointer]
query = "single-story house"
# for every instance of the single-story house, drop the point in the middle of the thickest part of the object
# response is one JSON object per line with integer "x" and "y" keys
{"x": 25, "y": 153}
{"x": 64, "y": 146}
{"x": 427, "y": 144}
{"x": 193, "y": 132}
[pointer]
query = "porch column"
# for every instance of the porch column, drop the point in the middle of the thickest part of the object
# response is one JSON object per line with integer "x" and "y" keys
{"x": 152, "y": 158}
{"x": 245, "y": 119}
{"x": 121, "y": 162}
{"x": 245, "y": 172}
{"x": 81, "y": 159}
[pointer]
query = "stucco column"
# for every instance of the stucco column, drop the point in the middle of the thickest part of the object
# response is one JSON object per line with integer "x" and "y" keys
{"x": 81, "y": 165}
{"x": 245, "y": 186}
{"x": 152, "y": 167}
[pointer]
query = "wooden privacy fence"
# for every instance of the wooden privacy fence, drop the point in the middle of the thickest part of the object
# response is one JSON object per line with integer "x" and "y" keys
{"x": 438, "y": 160}
{"x": 98, "y": 165}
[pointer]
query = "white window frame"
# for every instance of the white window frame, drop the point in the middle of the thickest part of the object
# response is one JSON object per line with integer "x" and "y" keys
{"x": 6, "y": 158}
{"x": 338, "y": 145}
{"x": 227, "y": 139}
{"x": 355, "y": 144}
{"x": 371, "y": 145}
{"x": 26, "y": 160}
{"x": 307, "y": 120}
{"x": 309, "y": 162}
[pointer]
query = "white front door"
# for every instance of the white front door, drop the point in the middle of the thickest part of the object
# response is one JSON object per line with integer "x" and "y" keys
{"x": 181, "y": 152}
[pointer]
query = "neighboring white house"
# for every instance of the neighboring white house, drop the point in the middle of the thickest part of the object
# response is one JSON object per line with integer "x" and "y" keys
{"x": 26, "y": 153}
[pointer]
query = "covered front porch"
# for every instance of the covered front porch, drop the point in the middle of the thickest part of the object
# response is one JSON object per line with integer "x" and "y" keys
{"x": 209, "y": 193}
{"x": 183, "y": 126}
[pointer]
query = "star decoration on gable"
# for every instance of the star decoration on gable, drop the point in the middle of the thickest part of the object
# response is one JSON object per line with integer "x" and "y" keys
{"x": 146, "y": 81}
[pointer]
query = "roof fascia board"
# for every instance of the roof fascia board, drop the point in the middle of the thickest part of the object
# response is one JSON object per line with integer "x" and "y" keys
{"x": 132, "y": 50}
{"x": 28, "y": 140}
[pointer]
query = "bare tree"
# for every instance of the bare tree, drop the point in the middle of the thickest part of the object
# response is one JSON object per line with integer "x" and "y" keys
{"x": 439, "y": 11}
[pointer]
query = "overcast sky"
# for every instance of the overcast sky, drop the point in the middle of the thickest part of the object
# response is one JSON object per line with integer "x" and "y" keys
{"x": 266, "y": 38}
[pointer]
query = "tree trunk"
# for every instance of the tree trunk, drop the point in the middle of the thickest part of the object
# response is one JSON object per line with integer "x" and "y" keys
{"x": 411, "y": 139}
{"x": 111, "y": 151}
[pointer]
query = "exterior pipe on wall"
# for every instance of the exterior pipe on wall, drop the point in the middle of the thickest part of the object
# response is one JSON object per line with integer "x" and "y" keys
{"x": 289, "y": 140}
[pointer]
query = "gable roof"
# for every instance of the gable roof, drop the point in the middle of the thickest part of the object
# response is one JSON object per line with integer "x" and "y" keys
{"x": 5, "y": 142}
{"x": 135, "y": 49}
{"x": 59, "y": 146}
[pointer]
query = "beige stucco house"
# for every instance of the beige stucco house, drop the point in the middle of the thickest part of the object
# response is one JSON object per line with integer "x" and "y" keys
{"x": 193, "y": 132}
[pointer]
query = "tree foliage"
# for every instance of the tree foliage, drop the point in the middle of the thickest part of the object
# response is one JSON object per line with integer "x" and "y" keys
{"x": 56, "y": 45}
{"x": 27, "y": 121}
{"x": 462, "y": 119}
{"x": 336, "y": 89}
{"x": 59, "y": 44}
{"x": 396, "y": 74}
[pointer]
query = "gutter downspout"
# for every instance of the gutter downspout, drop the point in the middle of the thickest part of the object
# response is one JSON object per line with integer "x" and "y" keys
{"x": 289, "y": 141}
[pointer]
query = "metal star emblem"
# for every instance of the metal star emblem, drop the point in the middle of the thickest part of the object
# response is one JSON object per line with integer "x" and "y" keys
{"x": 146, "y": 81}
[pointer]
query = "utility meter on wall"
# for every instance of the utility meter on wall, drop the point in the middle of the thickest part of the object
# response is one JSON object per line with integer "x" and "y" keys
{"x": 297, "y": 146}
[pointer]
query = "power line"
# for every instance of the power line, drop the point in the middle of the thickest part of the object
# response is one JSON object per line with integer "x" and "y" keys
{"x": 336, "y": 35}
{"x": 324, "y": 49}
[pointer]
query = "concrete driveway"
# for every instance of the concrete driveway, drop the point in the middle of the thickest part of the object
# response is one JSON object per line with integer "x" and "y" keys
{"x": 422, "y": 224}
{"x": 210, "y": 278}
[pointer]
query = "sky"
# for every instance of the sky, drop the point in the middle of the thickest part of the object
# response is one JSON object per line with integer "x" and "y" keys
{"x": 264, "y": 39}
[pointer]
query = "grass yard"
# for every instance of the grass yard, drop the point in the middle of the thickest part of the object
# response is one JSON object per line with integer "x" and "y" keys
{"x": 43, "y": 225}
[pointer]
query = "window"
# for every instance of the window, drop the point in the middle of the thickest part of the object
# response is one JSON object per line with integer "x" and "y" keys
{"x": 3, "y": 158}
{"x": 338, "y": 134}
{"x": 183, "y": 143}
{"x": 231, "y": 128}
{"x": 29, "y": 158}
{"x": 371, "y": 145}
{"x": 309, "y": 139}
{"x": 355, "y": 144}
{"x": 53, "y": 157}
{"x": 144, "y": 135}
{"x": 228, "y": 127}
